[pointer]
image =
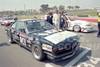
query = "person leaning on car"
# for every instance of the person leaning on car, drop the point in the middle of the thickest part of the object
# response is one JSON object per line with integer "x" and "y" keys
{"x": 62, "y": 21}
{"x": 98, "y": 25}
{"x": 49, "y": 18}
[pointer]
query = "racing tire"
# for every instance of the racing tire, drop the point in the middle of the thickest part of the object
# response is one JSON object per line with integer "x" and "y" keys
{"x": 77, "y": 28}
{"x": 37, "y": 52}
{"x": 10, "y": 39}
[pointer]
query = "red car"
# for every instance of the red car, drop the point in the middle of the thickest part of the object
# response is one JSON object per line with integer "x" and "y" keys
{"x": 7, "y": 21}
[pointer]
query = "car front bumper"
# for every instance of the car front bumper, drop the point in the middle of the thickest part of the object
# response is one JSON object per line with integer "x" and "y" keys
{"x": 90, "y": 29}
{"x": 63, "y": 56}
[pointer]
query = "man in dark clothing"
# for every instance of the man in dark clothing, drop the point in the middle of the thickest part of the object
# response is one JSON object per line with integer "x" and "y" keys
{"x": 49, "y": 18}
{"x": 98, "y": 25}
{"x": 62, "y": 21}
{"x": 15, "y": 17}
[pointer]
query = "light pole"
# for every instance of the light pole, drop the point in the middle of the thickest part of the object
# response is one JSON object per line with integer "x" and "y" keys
{"x": 24, "y": 7}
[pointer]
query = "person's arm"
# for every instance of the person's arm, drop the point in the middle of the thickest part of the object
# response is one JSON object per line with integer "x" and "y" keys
{"x": 53, "y": 21}
{"x": 65, "y": 21}
{"x": 47, "y": 18}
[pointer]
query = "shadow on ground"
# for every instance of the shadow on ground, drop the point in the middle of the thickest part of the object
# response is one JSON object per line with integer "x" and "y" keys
{"x": 63, "y": 63}
{"x": 4, "y": 44}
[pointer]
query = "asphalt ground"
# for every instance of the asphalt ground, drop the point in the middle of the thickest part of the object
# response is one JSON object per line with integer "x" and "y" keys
{"x": 12, "y": 55}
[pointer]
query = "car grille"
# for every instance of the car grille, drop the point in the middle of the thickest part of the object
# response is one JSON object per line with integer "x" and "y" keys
{"x": 68, "y": 47}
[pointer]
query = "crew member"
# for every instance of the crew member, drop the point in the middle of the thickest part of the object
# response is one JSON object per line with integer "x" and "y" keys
{"x": 98, "y": 25}
{"x": 49, "y": 18}
{"x": 56, "y": 20}
{"x": 62, "y": 21}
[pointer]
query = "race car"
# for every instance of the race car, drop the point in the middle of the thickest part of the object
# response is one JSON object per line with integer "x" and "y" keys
{"x": 79, "y": 25}
{"x": 7, "y": 21}
{"x": 42, "y": 39}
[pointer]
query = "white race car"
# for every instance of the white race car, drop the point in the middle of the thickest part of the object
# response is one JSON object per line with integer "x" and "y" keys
{"x": 79, "y": 25}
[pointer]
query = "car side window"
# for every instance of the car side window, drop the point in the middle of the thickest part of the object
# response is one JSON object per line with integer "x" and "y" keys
{"x": 14, "y": 25}
{"x": 19, "y": 26}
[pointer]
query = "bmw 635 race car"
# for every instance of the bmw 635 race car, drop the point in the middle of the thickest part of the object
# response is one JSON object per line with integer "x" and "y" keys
{"x": 43, "y": 40}
{"x": 79, "y": 25}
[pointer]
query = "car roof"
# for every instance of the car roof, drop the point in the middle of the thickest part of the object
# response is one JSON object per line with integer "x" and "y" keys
{"x": 31, "y": 20}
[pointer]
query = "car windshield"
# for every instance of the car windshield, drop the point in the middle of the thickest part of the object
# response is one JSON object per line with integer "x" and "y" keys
{"x": 8, "y": 19}
{"x": 72, "y": 18}
{"x": 38, "y": 26}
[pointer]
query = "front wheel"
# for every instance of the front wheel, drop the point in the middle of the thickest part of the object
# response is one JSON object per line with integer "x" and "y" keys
{"x": 77, "y": 28}
{"x": 10, "y": 39}
{"x": 37, "y": 52}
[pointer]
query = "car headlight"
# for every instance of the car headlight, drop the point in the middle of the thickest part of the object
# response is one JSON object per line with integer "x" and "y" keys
{"x": 61, "y": 46}
{"x": 68, "y": 46}
{"x": 47, "y": 47}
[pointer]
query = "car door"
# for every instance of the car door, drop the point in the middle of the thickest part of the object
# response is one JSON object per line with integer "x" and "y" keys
{"x": 18, "y": 33}
{"x": 22, "y": 36}
{"x": 15, "y": 31}
{"x": 10, "y": 30}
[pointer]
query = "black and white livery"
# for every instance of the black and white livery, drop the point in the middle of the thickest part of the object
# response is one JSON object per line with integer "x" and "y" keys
{"x": 43, "y": 39}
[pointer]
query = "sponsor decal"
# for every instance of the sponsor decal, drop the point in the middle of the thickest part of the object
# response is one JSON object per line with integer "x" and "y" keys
{"x": 22, "y": 35}
{"x": 29, "y": 42}
{"x": 47, "y": 47}
{"x": 43, "y": 34}
{"x": 83, "y": 29}
{"x": 23, "y": 41}
{"x": 35, "y": 21}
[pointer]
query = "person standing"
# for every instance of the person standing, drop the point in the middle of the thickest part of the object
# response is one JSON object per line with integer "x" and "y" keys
{"x": 46, "y": 15}
{"x": 56, "y": 20}
{"x": 49, "y": 18}
{"x": 98, "y": 25}
{"x": 15, "y": 17}
{"x": 62, "y": 21}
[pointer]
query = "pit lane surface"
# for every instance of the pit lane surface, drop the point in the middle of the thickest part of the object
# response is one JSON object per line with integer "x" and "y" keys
{"x": 12, "y": 55}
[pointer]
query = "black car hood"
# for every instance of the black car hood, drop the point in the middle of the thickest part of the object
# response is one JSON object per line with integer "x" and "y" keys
{"x": 55, "y": 37}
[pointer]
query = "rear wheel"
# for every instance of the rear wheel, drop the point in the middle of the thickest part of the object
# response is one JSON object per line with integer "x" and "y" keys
{"x": 77, "y": 28}
{"x": 37, "y": 52}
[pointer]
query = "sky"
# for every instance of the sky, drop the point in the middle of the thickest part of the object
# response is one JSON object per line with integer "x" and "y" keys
{"x": 35, "y": 4}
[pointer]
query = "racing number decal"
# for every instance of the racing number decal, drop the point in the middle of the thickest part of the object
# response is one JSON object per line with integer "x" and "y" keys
{"x": 23, "y": 41}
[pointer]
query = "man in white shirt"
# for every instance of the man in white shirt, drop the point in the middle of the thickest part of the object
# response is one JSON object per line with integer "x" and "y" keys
{"x": 56, "y": 20}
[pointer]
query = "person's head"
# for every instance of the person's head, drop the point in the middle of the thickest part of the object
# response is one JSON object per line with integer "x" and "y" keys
{"x": 62, "y": 13}
{"x": 46, "y": 13}
{"x": 50, "y": 13}
{"x": 57, "y": 12}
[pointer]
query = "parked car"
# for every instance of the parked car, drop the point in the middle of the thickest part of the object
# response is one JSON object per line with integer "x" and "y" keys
{"x": 43, "y": 40}
{"x": 8, "y": 21}
{"x": 79, "y": 25}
